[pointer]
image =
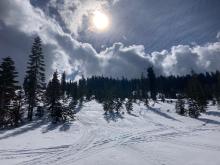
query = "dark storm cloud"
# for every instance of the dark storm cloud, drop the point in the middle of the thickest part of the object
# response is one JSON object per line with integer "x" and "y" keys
{"x": 140, "y": 26}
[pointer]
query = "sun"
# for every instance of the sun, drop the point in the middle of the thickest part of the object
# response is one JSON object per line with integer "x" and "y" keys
{"x": 100, "y": 21}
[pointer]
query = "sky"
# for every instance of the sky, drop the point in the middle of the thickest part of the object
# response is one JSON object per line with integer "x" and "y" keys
{"x": 173, "y": 36}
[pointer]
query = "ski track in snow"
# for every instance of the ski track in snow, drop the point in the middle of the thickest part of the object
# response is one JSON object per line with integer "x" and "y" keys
{"x": 95, "y": 138}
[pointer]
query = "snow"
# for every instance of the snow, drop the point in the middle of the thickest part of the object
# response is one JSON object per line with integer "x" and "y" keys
{"x": 150, "y": 136}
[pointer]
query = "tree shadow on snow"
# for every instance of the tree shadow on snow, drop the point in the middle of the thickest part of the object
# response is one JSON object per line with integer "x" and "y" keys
{"x": 50, "y": 127}
{"x": 213, "y": 113}
{"x": 63, "y": 126}
{"x": 209, "y": 121}
{"x": 25, "y": 128}
{"x": 131, "y": 114}
{"x": 112, "y": 116}
{"x": 159, "y": 112}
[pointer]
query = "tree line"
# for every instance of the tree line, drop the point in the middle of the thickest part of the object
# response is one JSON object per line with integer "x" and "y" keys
{"x": 59, "y": 98}
{"x": 35, "y": 98}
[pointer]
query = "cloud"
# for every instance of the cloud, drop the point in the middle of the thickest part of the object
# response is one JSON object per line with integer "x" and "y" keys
{"x": 181, "y": 59}
{"x": 71, "y": 14}
{"x": 20, "y": 21}
{"x": 118, "y": 61}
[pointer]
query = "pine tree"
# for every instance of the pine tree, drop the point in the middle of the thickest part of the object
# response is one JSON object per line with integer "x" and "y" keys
{"x": 82, "y": 88}
{"x": 68, "y": 109}
{"x": 118, "y": 105}
{"x": 196, "y": 97}
{"x": 163, "y": 98}
{"x": 146, "y": 102}
{"x": 180, "y": 105}
{"x": 108, "y": 106}
{"x": 63, "y": 83}
{"x": 217, "y": 90}
{"x": 129, "y": 105}
{"x": 193, "y": 108}
{"x": 54, "y": 94}
{"x": 152, "y": 83}
{"x": 73, "y": 105}
{"x": 17, "y": 111}
{"x": 34, "y": 82}
{"x": 8, "y": 87}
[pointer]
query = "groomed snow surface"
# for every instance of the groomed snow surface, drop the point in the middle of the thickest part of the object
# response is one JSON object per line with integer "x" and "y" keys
{"x": 149, "y": 136}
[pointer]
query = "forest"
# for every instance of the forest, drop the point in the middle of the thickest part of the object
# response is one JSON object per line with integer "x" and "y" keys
{"x": 59, "y": 99}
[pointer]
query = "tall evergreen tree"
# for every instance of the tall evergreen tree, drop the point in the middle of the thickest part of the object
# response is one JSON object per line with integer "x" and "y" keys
{"x": 53, "y": 94}
{"x": 217, "y": 89}
{"x": 152, "y": 83}
{"x": 129, "y": 105}
{"x": 34, "y": 82}
{"x": 63, "y": 83}
{"x": 81, "y": 89}
{"x": 197, "y": 99}
{"x": 17, "y": 111}
{"x": 118, "y": 105}
{"x": 180, "y": 105}
{"x": 193, "y": 108}
{"x": 8, "y": 87}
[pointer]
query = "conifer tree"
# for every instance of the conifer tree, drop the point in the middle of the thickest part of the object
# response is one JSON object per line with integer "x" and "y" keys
{"x": 118, "y": 105}
{"x": 193, "y": 108}
{"x": 17, "y": 110}
{"x": 8, "y": 87}
{"x": 54, "y": 94}
{"x": 152, "y": 83}
{"x": 217, "y": 89}
{"x": 180, "y": 105}
{"x": 63, "y": 83}
{"x": 34, "y": 82}
{"x": 129, "y": 105}
{"x": 146, "y": 102}
{"x": 108, "y": 105}
{"x": 197, "y": 100}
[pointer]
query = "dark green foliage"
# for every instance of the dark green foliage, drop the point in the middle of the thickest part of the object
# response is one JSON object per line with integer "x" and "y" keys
{"x": 118, "y": 105}
{"x": 82, "y": 88}
{"x": 193, "y": 108}
{"x": 129, "y": 105}
{"x": 53, "y": 94}
{"x": 63, "y": 83}
{"x": 152, "y": 83}
{"x": 73, "y": 105}
{"x": 34, "y": 82}
{"x": 217, "y": 87}
{"x": 180, "y": 105}
{"x": 108, "y": 106}
{"x": 8, "y": 87}
{"x": 163, "y": 98}
{"x": 196, "y": 95}
{"x": 17, "y": 111}
{"x": 68, "y": 109}
{"x": 104, "y": 90}
{"x": 146, "y": 102}
{"x": 59, "y": 107}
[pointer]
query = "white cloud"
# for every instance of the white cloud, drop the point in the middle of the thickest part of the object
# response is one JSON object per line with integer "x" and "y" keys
{"x": 63, "y": 52}
{"x": 72, "y": 12}
{"x": 184, "y": 58}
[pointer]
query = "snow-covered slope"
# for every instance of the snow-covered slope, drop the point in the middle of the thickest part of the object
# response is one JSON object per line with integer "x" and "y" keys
{"x": 154, "y": 136}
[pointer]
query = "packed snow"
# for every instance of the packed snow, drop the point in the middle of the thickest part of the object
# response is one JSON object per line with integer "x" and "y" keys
{"x": 148, "y": 136}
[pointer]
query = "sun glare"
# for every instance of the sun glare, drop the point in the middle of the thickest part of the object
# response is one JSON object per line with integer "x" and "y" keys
{"x": 100, "y": 21}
